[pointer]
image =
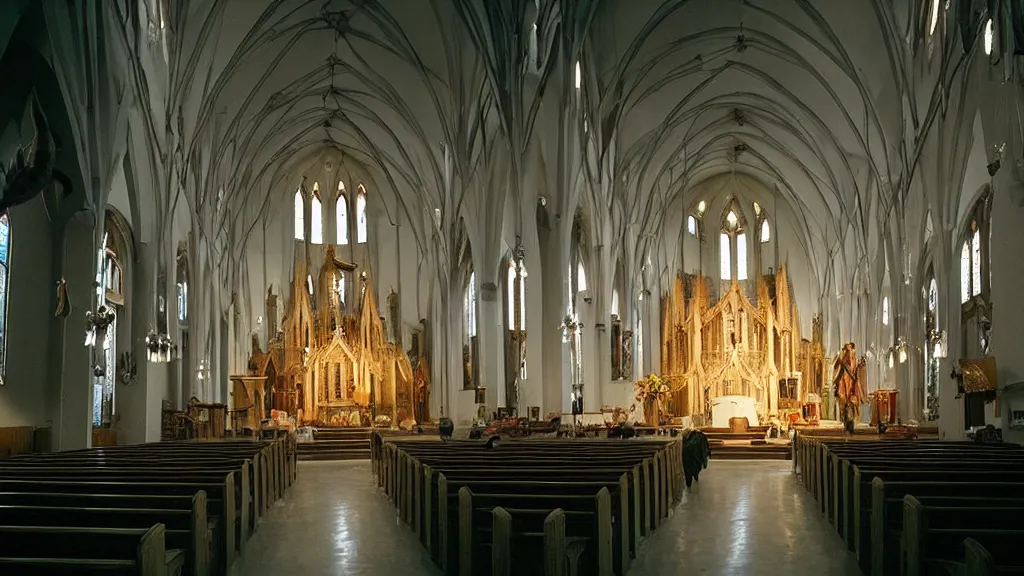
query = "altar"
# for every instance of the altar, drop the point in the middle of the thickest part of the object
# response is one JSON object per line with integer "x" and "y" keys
{"x": 725, "y": 407}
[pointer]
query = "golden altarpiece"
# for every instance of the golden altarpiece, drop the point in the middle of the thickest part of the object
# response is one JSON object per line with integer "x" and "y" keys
{"x": 736, "y": 348}
{"x": 332, "y": 363}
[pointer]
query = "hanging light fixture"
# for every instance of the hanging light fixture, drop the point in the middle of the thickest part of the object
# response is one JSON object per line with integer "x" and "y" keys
{"x": 159, "y": 347}
{"x": 96, "y": 324}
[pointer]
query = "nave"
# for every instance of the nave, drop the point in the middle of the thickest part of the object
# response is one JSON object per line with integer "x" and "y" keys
{"x": 742, "y": 517}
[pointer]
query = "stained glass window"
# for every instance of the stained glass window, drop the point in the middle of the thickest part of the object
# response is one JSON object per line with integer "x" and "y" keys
{"x": 965, "y": 273}
{"x": 691, "y": 225}
{"x": 316, "y": 221}
{"x": 933, "y": 297}
{"x": 5, "y": 278}
{"x": 766, "y": 231}
{"x": 725, "y": 256}
{"x": 741, "y": 256}
{"x": 300, "y": 233}
{"x": 361, "y": 215}
{"x": 976, "y": 263}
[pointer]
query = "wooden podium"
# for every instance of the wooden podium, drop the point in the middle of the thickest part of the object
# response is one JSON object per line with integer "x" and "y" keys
{"x": 251, "y": 391}
{"x": 884, "y": 407}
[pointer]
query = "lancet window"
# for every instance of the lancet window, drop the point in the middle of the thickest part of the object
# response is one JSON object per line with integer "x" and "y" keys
{"x": 975, "y": 311}
{"x": 469, "y": 347}
{"x": 111, "y": 294}
{"x": 5, "y": 285}
{"x": 300, "y": 219}
{"x": 885, "y": 310}
{"x": 341, "y": 214}
{"x": 361, "y": 226}
{"x": 516, "y": 298}
{"x": 732, "y": 251}
{"x": 691, "y": 225}
{"x": 932, "y": 350}
{"x": 973, "y": 258}
{"x": 316, "y": 217}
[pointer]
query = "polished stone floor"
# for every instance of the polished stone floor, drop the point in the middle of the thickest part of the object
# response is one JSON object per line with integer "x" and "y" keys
{"x": 742, "y": 518}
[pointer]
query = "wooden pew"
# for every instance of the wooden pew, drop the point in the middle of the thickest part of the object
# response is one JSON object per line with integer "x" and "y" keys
{"x": 423, "y": 479}
{"x": 69, "y": 551}
{"x": 932, "y": 535}
{"x": 479, "y": 534}
{"x": 187, "y": 530}
{"x": 223, "y": 490}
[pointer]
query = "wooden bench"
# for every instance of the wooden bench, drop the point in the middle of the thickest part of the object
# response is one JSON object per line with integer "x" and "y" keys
{"x": 590, "y": 525}
{"x": 79, "y": 551}
{"x": 448, "y": 494}
{"x": 187, "y": 530}
{"x": 521, "y": 547}
{"x": 223, "y": 491}
{"x": 933, "y": 535}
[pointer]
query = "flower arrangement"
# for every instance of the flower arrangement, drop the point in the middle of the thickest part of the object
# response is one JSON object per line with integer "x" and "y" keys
{"x": 652, "y": 387}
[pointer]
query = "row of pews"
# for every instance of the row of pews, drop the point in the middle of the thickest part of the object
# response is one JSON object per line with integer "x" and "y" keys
{"x": 168, "y": 508}
{"x": 917, "y": 507}
{"x": 553, "y": 507}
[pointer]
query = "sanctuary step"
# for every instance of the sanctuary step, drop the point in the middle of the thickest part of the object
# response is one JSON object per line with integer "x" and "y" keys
{"x": 739, "y": 450}
{"x": 337, "y": 444}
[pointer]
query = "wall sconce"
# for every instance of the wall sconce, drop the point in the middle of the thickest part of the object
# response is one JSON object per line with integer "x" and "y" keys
{"x": 96, "y": 324}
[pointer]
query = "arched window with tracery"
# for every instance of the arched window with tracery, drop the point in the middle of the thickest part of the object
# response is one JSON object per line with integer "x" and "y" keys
{"x": 732, "y": 244}
{"x": 341, "y": 214}
{"x": 114, "y": 253}
{"x": 316, "y": 217}
{"x": 300, "y": 219}
{"x": 5, "y": 286}
{"x": 361, "y": 225}
{"x": 975, "y": 310}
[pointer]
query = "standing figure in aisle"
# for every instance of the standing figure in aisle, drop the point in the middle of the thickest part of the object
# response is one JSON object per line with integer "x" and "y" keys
{"x": 849, "y": 390}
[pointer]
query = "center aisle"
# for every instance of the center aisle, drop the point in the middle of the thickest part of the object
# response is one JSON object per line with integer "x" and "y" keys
{"x": 333, "y": 521}
{"x": 745, "y": 518}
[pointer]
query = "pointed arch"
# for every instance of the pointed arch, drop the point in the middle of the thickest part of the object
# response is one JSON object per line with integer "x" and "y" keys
{"x": 300, "y": 220}
{"x": 361, "y": 225}
{"x": 316, "y": 217}
{"x": 341, "y": 214}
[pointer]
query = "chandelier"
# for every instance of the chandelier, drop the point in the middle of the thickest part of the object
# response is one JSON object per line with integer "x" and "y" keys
{"x": 96, "y": 324}
{"x": 159, "y": 347}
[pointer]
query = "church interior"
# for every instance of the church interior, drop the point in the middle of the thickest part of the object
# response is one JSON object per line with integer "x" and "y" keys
{"x": 368, "y": 235}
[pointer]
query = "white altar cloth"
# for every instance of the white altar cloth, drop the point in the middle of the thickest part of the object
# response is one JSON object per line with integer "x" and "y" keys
{"x": 725, "y": 407}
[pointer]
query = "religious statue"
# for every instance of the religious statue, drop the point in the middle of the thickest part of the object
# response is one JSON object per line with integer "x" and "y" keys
{"x": 849, "y": 390}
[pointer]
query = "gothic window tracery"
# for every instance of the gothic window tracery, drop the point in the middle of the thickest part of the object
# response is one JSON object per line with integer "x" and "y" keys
{"x": 300, "y": 223}
{"x": 732, "y": 245}
{"x": 316, "y": 217}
